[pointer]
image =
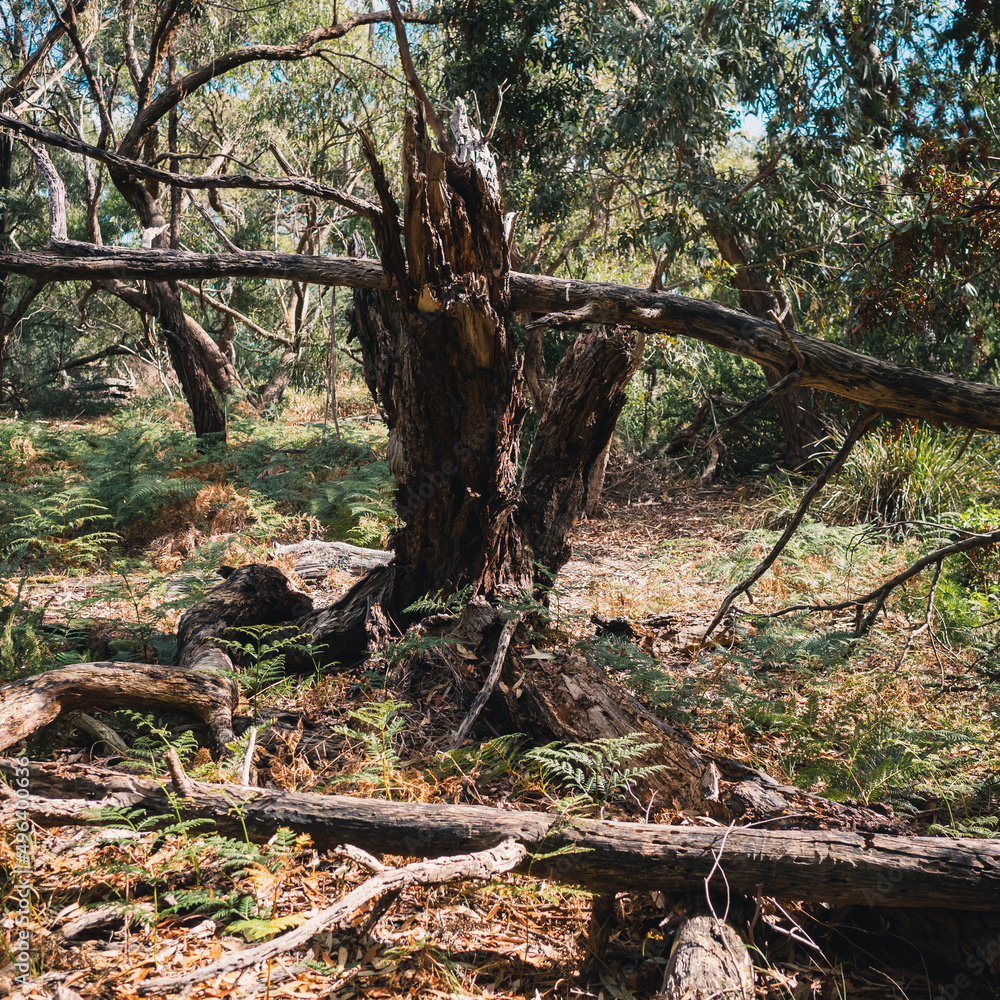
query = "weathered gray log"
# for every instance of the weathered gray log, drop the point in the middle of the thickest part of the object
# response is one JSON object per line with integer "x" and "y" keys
{"x": 835, "y": 867}
{"x": 252, "y": 595}
{"x": 28, "y": 704}
{"x": 708, "y": 961}
{"x": 314, "y": 558}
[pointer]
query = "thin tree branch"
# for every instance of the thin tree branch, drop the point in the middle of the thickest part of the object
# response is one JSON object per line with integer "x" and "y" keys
{"x": 108, "y": 352}
{"x": 216, "y": 228}
{"x": 879, "y": 595}
{"x": 301, "y": 48}
{"x": 197, "y": 181}
{"x": 22, "y": 307}
{"x": 414, "y": 81}
{"x": 491, "y": 681}
{"x": 14, "y": 88}
{"x": 853, "y": 436}
{"x": 228, "y": 310}
{"x": 791, "y": 380}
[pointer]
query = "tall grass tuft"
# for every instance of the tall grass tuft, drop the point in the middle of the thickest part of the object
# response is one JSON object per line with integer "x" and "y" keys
{"x": 905, "y": 472}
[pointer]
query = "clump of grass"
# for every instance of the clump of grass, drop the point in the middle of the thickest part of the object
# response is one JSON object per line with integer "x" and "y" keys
{"x": 903, "y": 472}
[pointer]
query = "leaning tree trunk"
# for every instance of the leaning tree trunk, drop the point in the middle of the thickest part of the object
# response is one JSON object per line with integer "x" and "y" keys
{"x": 185, "y": 349}
{"x": 571, "y": 442}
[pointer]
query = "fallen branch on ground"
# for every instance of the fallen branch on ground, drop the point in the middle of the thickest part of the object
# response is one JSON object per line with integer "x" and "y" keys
{"x": 483, "y": 865}
{"x": 32, "y": 702}
{"x": 862, "y": 623}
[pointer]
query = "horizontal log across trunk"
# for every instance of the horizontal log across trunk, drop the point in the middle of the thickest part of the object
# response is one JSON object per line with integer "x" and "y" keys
{"x": 822, "y": 866}
{"x": 827, "y": 367}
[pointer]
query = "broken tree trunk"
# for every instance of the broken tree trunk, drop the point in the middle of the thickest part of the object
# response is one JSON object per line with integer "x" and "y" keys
{"x": 839, "y": 867}
{"x": 708, "y": 961}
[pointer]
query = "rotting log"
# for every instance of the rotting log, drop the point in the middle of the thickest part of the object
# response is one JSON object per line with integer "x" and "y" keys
{"x": 570, "y": 698}
{"x": 30, "y": 703}
{"x": 836, "y": 867}
{"x": 708, "y": 961}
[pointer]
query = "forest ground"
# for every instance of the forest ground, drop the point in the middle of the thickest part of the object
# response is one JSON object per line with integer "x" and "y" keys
{"x": 892, "y": 718}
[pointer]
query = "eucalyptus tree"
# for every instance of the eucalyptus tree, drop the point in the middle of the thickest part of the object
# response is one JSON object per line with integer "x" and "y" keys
{"x": 435, "y": 313}
{"x": 170, "y": 85}
{"x": 615, "y": 128}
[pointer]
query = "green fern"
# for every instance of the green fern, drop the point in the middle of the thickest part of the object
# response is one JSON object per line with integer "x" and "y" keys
{"x": 263, "y": 653}
{"x": 359, "y": 508}
{"x": 441, "y": 603}
{"x": 379, "y": 724}
{"x": 484, "y": 762}
{"x": 984, "y": 827}
{"x": 596, "y": 769}
{"x": 263, "y": 929}
{"x": 66, "y": 529}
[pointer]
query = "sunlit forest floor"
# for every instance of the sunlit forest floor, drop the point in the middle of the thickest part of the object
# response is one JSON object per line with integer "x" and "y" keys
{"x": 905, "y": 717}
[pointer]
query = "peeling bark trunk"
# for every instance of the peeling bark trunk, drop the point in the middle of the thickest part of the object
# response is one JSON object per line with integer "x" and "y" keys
{"x": 273, "y": 393}
{"x": 454, "y": 393}
{"x": 442, "y": 365}
{"x": 187, "y": 351}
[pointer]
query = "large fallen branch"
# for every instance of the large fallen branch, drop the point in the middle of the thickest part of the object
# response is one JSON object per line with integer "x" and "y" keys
{"x": 835, "y": 867}
{"x": 823, "y": 366}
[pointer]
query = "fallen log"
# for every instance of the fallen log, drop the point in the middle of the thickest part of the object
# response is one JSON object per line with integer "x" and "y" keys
{"x": 836, "y": 867}
{"x": 824, "y": 366}
{"x": 314, "y": 559}
{"x": 251, "y": 595}
{"x": 567, "y": 697}
{"x": 32, "y": 702}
